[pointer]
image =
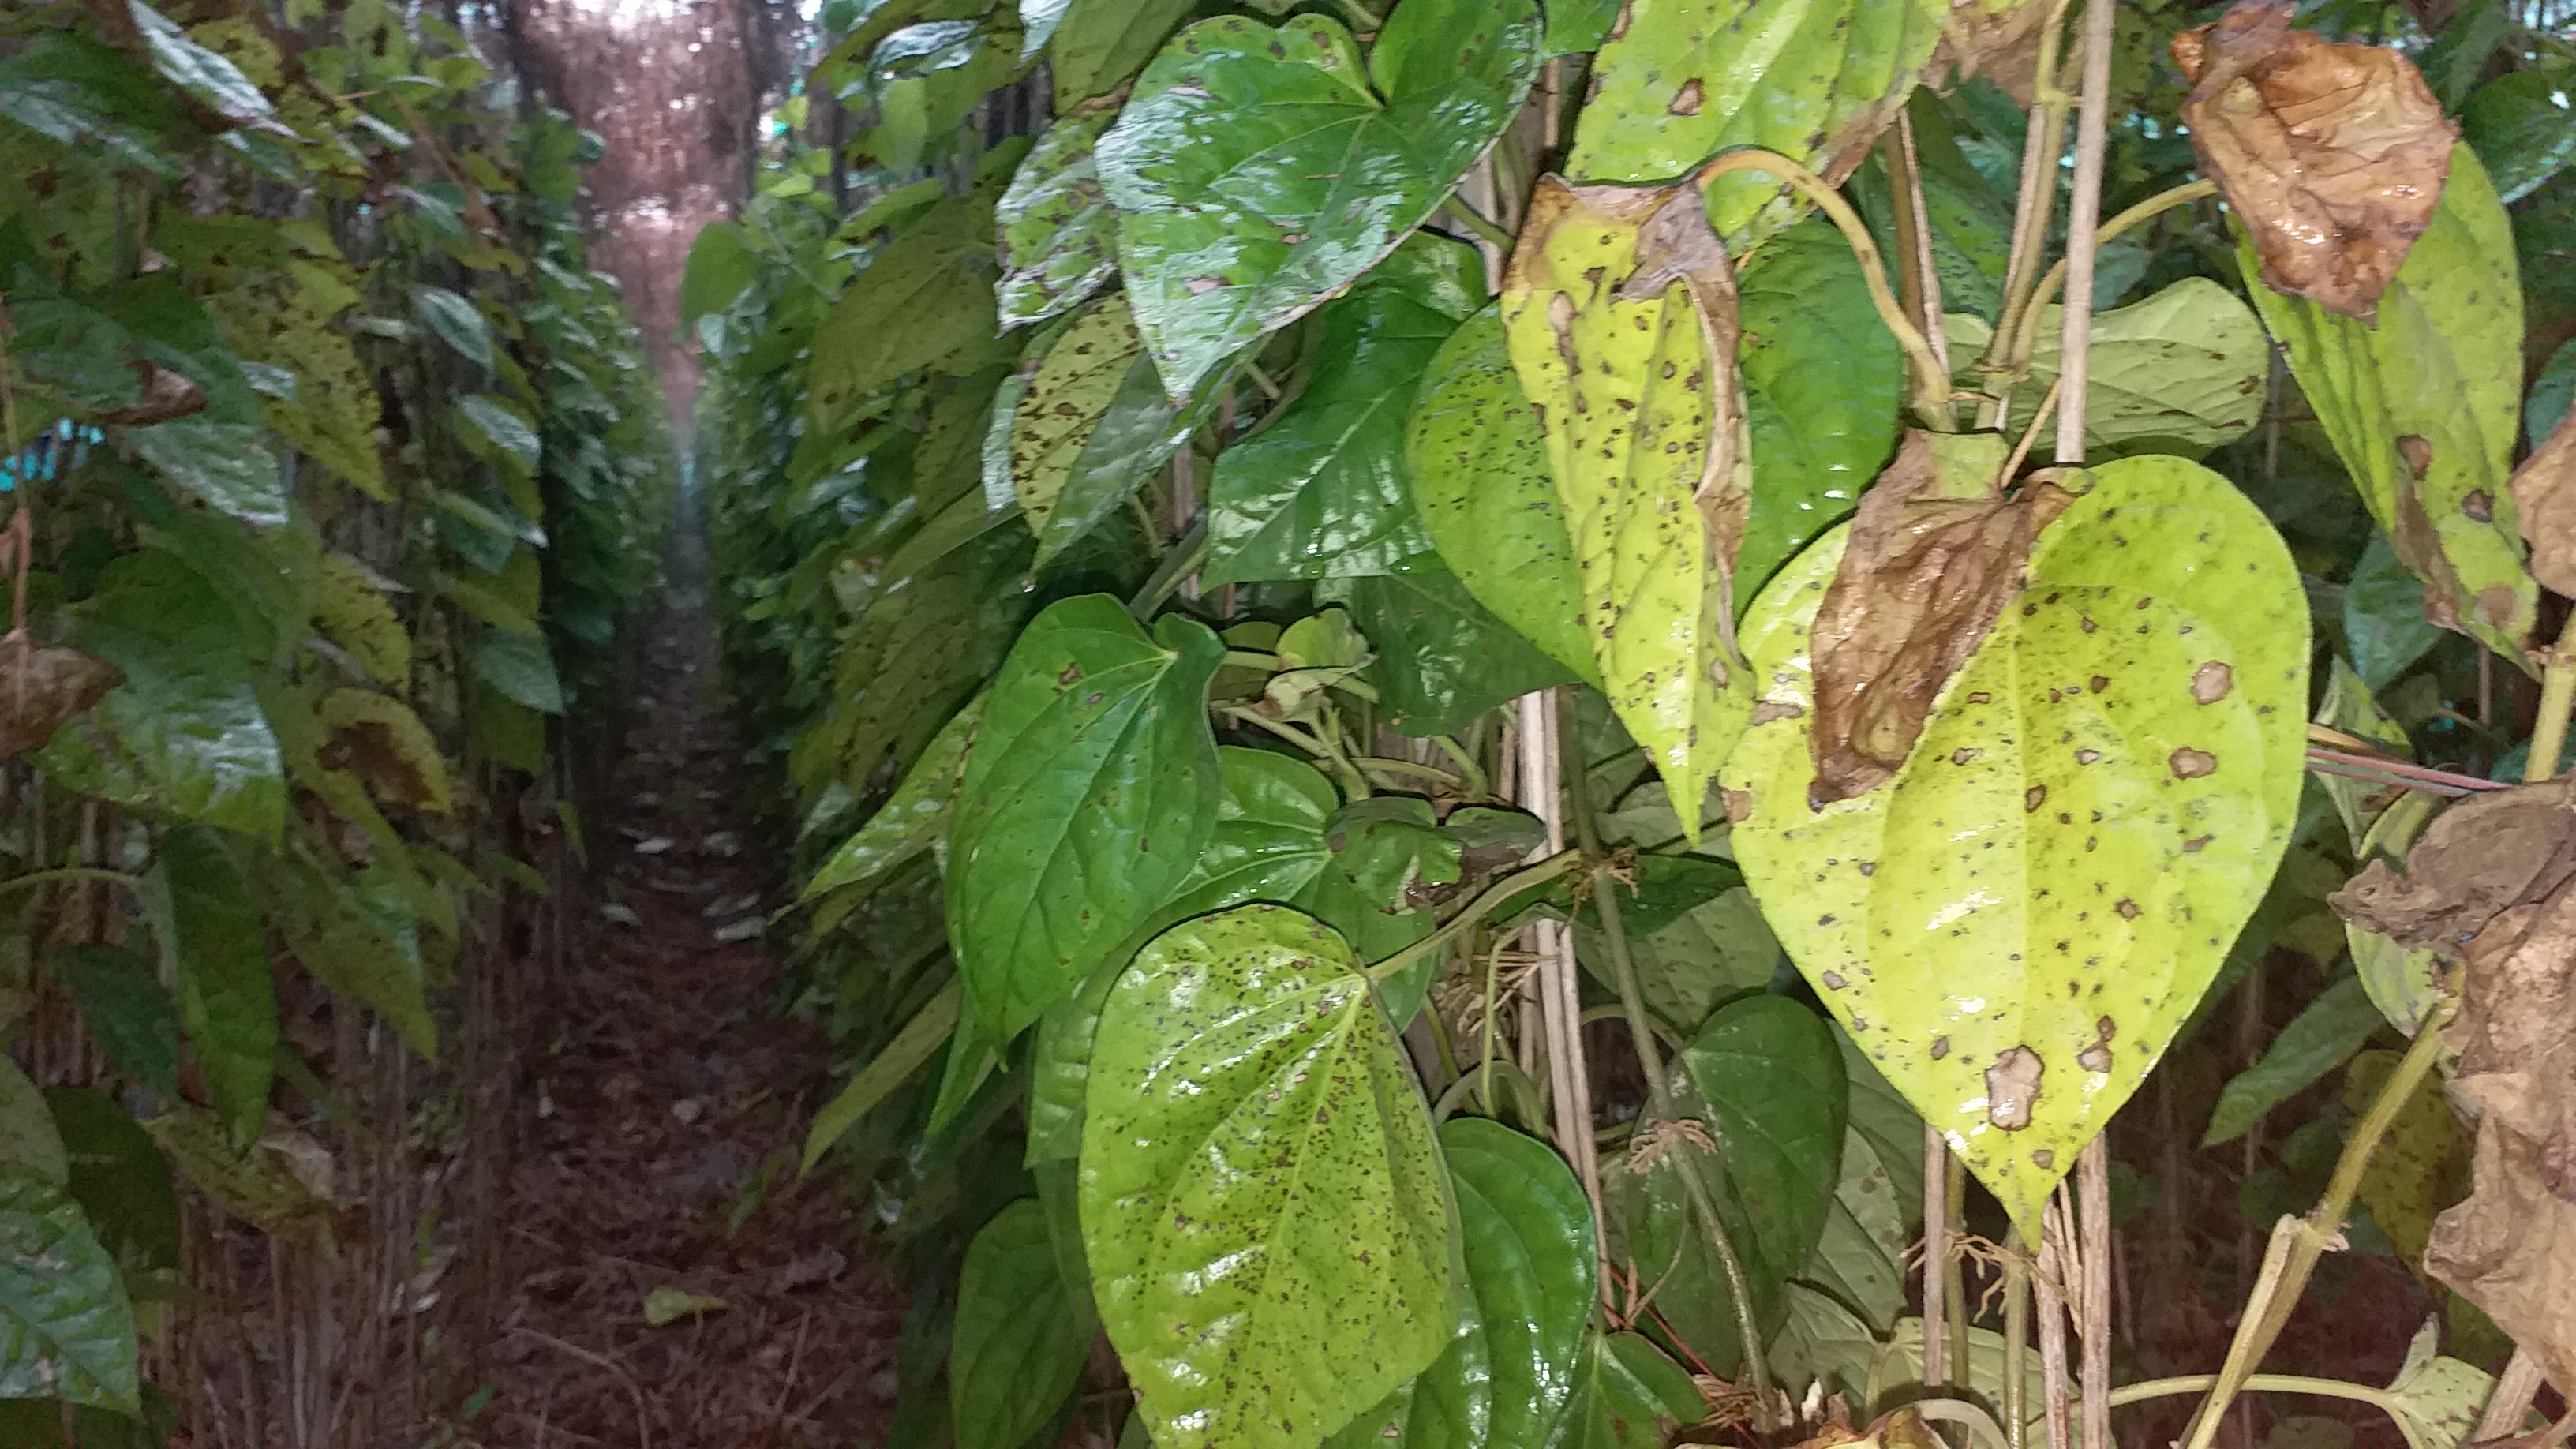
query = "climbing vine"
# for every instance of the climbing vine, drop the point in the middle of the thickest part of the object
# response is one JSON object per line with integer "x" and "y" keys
{"x": 1483, "y": 697}
{"x": 331, "y": 465}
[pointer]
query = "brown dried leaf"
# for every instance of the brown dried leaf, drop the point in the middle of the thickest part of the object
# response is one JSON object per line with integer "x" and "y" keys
{"x": 2511, "y": 1250}
{"x": 166, "y": 395}
{"x": 1999, "y": 44}
{"x": 41, "y": 688}
{"x": 2333, "y": 156}
{"x": 2485, "y": 856}
{"x": 1936, "y": 551}
{"x": 1677, "y": 244}
{"x": 2544, "y": 500}
{"x": 1897, "y": 1429}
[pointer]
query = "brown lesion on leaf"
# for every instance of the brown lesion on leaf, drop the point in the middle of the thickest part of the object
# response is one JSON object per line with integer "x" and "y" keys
{"x": 2333, "y": 156}
{"x": 2211, "y": 682}
{"x": 1931, "y": 563}
{"x": 41, "y": 687}
{"x": 2012, "y": 1088}
{"x": 1686, "y": 101}
{"x": 2190, "y": 764}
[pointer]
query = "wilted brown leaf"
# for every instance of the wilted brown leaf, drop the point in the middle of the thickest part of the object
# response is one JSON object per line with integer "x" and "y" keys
{"x": 1897, "y": 1429}
{"x": 2333, "y": 156}
{"x": 166, "y": 395}
{"x": 2493, "y": 884}
{"x": 1676, "y": 244}
{"x": 2485, "y": 856}
{"x": 2001, "y": 44}
{"x": 1936, "y": 551}
{"x": 2544, "y": 500}
{"x": 42, "y": 687}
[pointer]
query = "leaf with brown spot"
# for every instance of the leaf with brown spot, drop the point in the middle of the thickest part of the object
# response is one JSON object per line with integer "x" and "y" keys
{"x": 377, "y": 738}
{"x": 1935, "y": 552}
{"x": 42, "y": 687}
{"x": 2333, "y": 156}
{"x": 2544, "y": 499}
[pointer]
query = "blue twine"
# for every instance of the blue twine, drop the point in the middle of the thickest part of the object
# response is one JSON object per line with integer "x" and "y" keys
{"x": 56, "y": 451}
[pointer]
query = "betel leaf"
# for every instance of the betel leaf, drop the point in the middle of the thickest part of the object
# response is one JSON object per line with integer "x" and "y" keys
{"x": 217, "y": 947}
{"x": 2383, "y": 615}
{"x": 1577, "y": 27}
{"x": 2523, "y": 128}
{"x": 1022, "y": 1333}
{"x": 2179, "y": 372}
{"x": 927, "y": 296}
{"x": 1058, "y": 233}
{"x": 1631, "y": 389}
{"x": 2014, "y": 925}
{"x": 184, "y": 734}
{"x": 912, "y": 1047}
{"x": 1269, "y": 1231}
{"x": 1441, "y": 659}
{"x": 912, "y": 819}
{"x": 1075, "y": 383}
{"x": 334, "y": 937}
{"x": 1089, "y": 794}
{"x": 1478, "y": 465}
{"x": 2322, "y": 1037}
{"x": 457, "y": 321}
{"x": 1762, "y": 1083}
{"x": 226, "y": 466}
{"x": 199, "y": 71}
{"x": 1320, "y": 490}
{"x": 66, "y": 1329}
{"x": 127, "y": 1009}
{"x": 506, "y": 428}
{"x": 519, "y": 666}
{"x": 1100, "y": 44}
{"x": 721, "y": 264}
{"x": 1823, "y": 382}
{"x": 1687, "y": 965}
{"x": 1258, "y": 170}
{"x": 2422, "y": 406}
{"x": 1815, "y": 80}
{"x": 28, "y": 1140}
{"x": 1526, "y": 1231}
{"x": 1628, "y": 1395}
{"x": 355, "y": 615}
{"x": 119, "y": 1178}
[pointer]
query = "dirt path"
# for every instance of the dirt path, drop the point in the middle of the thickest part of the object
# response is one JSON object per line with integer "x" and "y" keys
{"x": 669, "y": 1094}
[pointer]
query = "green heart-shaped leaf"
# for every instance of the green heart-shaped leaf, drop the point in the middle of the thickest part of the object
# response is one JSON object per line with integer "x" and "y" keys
{"x": 1088, "y": 796}
{"x": 1022, "y": 1336}
{"x": 2016, "y": 924}
{"x": 1257, "y": 170}
{"x": 1268, "y": 1226}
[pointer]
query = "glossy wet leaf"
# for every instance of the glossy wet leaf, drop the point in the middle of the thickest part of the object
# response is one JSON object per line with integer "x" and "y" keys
{"x": 127, "y": 1009}
{"x": 1060, "y": 1069}
{"x": 1764, "y": 1082}
{"x": 1526, "y": 1231}
{"x": 1815, "y": 80}
{"x": 1257, "y": 170}
{"x": 1320, "y": 490}
{"x": 1478, "y": 465}
{"x": 2182, "y": 371}
{"x": 1074, "y": 384}
{"x": 1100, "y": 44}
{"x": 1823, "y": 382}
{"x": 200, "y": 72}
{"x": 1441, "y": 659}
{"x": 1059, "y": 235}
{"x": 1021, "y": 1336}
{"x": 217, "y": 945}
{"x": 1628, "y": 392}
{"x": 2421, "y": 406}
{"x": 2523, "y": 127}
{"x": 505, "y": 427}
{"x": 1269, "y": 1229}
{"x": 1089, "y": 795}
{"x": 2013, "y": 964}
{"x": 913, "y": 819}
{"x": 66, "y": 1329}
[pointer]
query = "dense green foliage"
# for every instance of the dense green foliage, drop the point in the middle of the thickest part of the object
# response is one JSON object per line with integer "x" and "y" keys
{"x": 1135, "y": 539}
{"x": 372, "y": 465}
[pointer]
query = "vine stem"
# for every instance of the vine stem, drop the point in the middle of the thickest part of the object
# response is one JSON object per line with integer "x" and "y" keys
{"x": 2380, "y": 1399}
{"x": 71, "y": 873}
{"x": 2557, "y": 698}
{"x": 2043, "y": 140}
{"x": 1527, "y": 878}
{"x": 2297, "y": 1243}
{"x": 1476, "y": 221}
{"x": 2144, "y": 211}
{"x": 1931, "y": 384}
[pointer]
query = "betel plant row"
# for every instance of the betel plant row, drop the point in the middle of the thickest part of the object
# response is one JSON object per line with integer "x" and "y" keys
{"x": 329, "y": 463}
{"x": 1386, "y": 538}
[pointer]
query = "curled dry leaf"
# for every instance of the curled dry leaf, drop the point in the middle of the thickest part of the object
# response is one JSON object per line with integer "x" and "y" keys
{"x": 1936, "y": 550}
{"x": 166, "y": 395}
{"x": 1677, "y": 244}
{"x": 2493, "y": 884}
{"x": 2544, "y": 500}
{"x": 1897, "y": 1429}
{"x": 1998, "y": 39}
{"x": 2333, "y": 156}
{"x": 42, "y": 687}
